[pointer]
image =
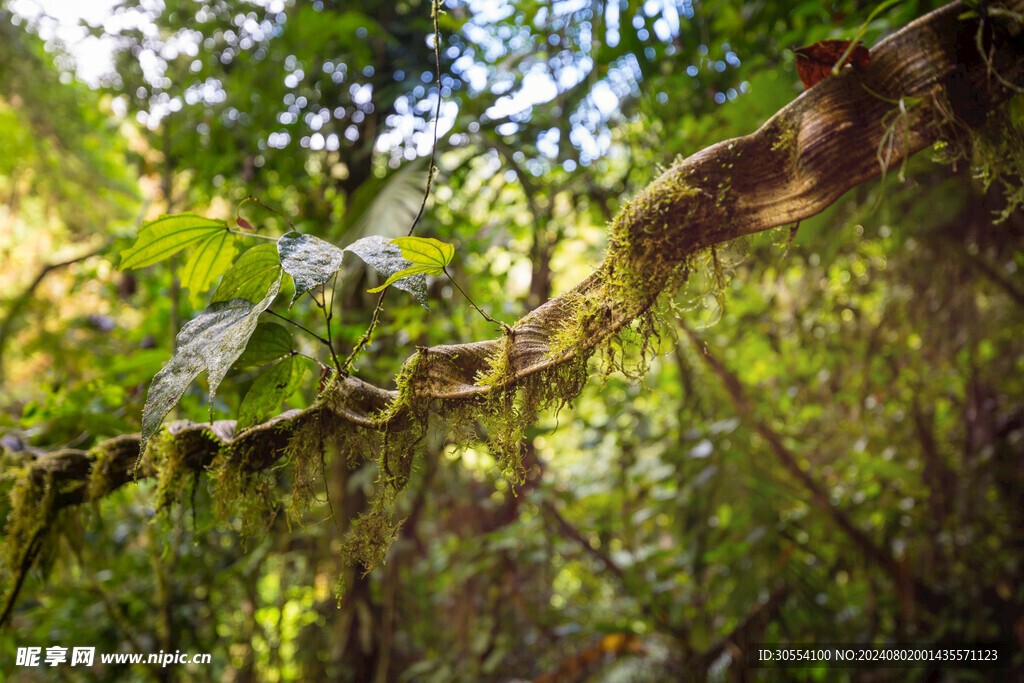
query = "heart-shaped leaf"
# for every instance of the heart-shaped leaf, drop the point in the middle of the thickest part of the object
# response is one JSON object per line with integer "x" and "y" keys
{"x": 251, "y": 275}
{"x": 309, "y": 260}
{"x": 425, "y": 251}
{"x": 211, "y": 342}
{"x": 167, "y": 235}
{"x": 386, "y": 258}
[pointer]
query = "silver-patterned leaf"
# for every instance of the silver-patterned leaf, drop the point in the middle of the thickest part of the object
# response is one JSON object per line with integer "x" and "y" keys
{"x": 309, "y": 260}
{"x": 212, "y": 341}
{"x": 386, "y": 259}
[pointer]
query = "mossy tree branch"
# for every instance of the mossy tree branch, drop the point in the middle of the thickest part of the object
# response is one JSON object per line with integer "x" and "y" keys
{"x": 798, "y": 163}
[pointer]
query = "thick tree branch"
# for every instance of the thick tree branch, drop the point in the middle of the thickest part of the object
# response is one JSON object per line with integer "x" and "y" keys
{"x": 799, "y": 162}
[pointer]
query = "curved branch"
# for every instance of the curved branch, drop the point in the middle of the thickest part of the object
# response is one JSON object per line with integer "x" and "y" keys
{"x": 797, "y": 164}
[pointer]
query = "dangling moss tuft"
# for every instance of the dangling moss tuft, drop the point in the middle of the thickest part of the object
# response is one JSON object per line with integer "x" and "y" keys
{"x": 167, "y": 458}
{"x": 33, "y": 506}
{"x": 998, "y": 154}
{"x": 404, "y": 427}
{"x": 501, "y": 414}
{"x": 371, "y": 536}
{"x": 100, "y": 477}
{"x": 247, "y": 495}
{"x": 306, "y": 455}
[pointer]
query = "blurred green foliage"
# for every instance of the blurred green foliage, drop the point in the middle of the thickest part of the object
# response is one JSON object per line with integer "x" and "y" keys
{"x": 878, "y": 351}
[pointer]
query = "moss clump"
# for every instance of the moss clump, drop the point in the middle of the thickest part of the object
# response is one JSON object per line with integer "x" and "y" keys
{"x": 100, "y": 477}
{"x": 371, "y": 536}
{"x": 512, "y": 404}
{"x": 32, "y": 498}
{"x": 305, "y": 454}
{"x": 404, "y": 427}
{"x": 998, "y": 154}
{"x": 404, "y": 423}
{"x": 167, "y": 459}
{"x": 502, "y": 414}
{"x": 640, "y": 239}
{"x": 245, "y": 494}
{"x": 584, "y": 311}
{"x": 785, "y": 131}
{"x": 404, "y": 385}
{"x": 995, "y": 150}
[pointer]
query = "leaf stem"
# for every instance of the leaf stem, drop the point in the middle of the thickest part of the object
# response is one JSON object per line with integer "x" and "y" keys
{"x": 256, "y": 200}
{"x": 366, "y": 335}
{"x": 315, "y": 360}
{"x": 304, "y": 329}
{"x": 504, "y": 326}
{"x": 252, "y": 234}
{"x": 328, "y": 315}
{"x": 860, "y": 34}
{"x": 364, "y": 340}
{"x": 434, "y": 8}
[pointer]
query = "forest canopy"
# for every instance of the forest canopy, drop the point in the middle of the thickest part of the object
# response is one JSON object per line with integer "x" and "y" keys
{"x": 483, "y": 340}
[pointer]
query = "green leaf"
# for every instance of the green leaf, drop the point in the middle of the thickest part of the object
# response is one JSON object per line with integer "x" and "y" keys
{"x": 251, "y": 276}
{"x": 408, "y": 272}
{"x": 309, "y": 260}
{"x": 386, "y": 258}
{"x": 427, "y": 256}
{"x": 211, "y": 342}
{"x": 268, "y": 343}
{"x": 270, "y": 390}
{"x": 207, "y": 263}
{"x": 426, "y": 251}
{"x": 167, "y": 235}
